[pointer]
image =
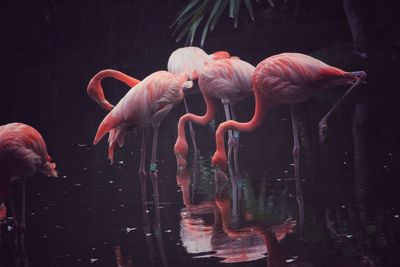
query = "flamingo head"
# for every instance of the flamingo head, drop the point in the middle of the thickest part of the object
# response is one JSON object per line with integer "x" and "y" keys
{"x": 187, "y": 85}
{"x": 95, "y": 92}
{"x": 356, "y": 76}
{"x": 337, "y": 77}
{"x": 219, "y": 161}
{"x": 181, "y": 151}
{"x": 220, "y": 55}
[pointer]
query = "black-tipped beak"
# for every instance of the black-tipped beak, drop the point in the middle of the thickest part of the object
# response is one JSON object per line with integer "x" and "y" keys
{"x": 361, "y": 75}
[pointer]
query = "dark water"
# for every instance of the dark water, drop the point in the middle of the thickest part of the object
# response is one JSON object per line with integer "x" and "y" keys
{"x": 92, "y": 214}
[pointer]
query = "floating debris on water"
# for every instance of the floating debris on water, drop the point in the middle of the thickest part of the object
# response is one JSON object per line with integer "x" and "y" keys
{"x": 130, "y": 229}
{"x": 82, "y": 144}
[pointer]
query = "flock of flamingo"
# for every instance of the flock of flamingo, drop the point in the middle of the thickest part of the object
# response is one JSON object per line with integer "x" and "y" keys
{"x": 286, "y": 78}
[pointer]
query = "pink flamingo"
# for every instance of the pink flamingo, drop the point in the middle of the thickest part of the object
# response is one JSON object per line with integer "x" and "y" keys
{"x": 287, "y": 78}
{"x": 145, "y": 105}
{"x": 95, "y": 90}
{"x": 191, "y": 61}
{"x": 226, "y": 79}
{"x": 23, "y": 152}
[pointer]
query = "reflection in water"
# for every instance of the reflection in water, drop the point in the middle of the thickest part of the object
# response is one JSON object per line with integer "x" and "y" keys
{"x": 122, "y": 261}
{"x": 148, "y": 235}
{"x": 212, "y": 229}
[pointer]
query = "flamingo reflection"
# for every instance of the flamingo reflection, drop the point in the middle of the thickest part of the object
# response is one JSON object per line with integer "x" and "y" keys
{"x": 121, "y": 261}
{"x": 212, "y": 229}
{"x": 128, "y": 261}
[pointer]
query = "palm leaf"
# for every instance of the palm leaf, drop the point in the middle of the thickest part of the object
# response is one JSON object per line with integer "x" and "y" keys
{"x": 182, "y": 15}
{"x": 190, "y": 17}
{"x": 218, "y": 13}
{"x": 249, "y": 6}
{"x": 236, "y": 12}
{"x": 190, "y": 27}
{"x": 216, "y": 8}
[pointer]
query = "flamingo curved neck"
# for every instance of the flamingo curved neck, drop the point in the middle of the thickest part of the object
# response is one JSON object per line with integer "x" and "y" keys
{"x": 259, "y": 114}
{"x": 181, "y": 143}
{"x": 95, "y": 90}
{"x": 128, "y": 80}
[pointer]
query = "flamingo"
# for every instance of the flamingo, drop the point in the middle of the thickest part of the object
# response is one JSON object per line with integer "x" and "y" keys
{"x": 228, "y": 80}
{"x": 287, "y": 78}
{"x": 191, "y": 61}
{"x": 23, "y": 152}
{"x": 145, "y": 105}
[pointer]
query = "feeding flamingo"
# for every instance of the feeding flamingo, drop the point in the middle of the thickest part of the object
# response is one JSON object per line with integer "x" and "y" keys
{"x": 191, "y": 61}
{"x": 145, "y": 105}
{"x": 287, "y": 78}
{"x": 228, "y": 80}
{"x": 23, "y": 152}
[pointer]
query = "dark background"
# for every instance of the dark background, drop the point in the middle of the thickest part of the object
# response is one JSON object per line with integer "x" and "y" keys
{"x": 51, "y": 49}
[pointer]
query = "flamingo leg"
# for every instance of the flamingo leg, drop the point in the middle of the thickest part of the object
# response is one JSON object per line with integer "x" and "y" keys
{"x": 192, "y": 133}
{"x": 323, "y": 124}
{"x": 235, "y": 145}
{"x": 14, "y": 214}
{"x": 142, "y": 171}
{"x": 230, "y": 134}
{"x": 147, "y": 234}
{"x": 153, "y": 170}
{"x": 160, "y": 243}
{"x": 235, "y": 204}
{"x": 296, "y": 156}
{"x": 22, "y": 225}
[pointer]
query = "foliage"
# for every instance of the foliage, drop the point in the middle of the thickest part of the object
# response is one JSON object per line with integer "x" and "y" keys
{"x": 191, "y": 16}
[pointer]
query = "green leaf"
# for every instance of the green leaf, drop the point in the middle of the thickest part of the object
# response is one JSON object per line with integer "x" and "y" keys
{"x": 249, "y": 6}
{"x": 236, "y": 12}
{"x": 214, "y": 11}
{"x": 184, "y": 12}
{"x": 193, "y": 29}
{"x": 218, "y": 14}
{"x": 232, "y": 5}
{"x": 191, "y": 26}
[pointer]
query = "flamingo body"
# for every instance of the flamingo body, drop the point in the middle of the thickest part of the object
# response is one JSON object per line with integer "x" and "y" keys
{"x": 23, "y": 152}
{"x": 286, "y": 78}
{"x": 227, "y": 79}
{"x": 145, "y": 105}
{"x": 191, "y": 60}
{"x": 292, "y": 78}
